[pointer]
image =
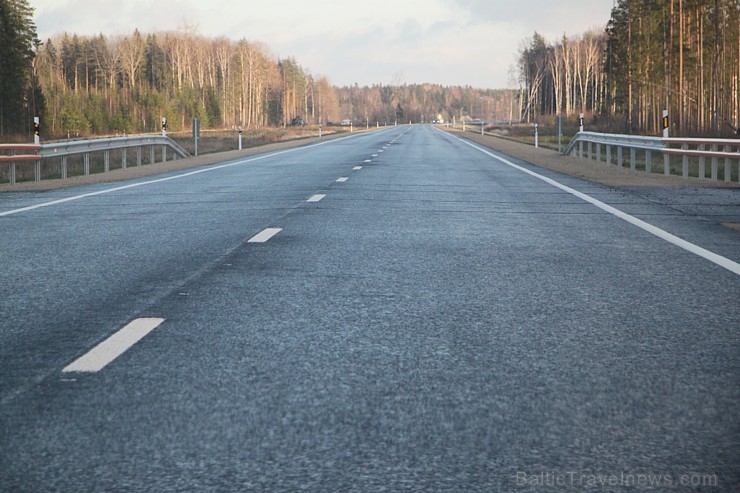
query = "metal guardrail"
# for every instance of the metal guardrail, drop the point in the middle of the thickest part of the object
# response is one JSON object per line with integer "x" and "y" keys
{"x": 63, "y": 150}
{"x": 688, "y": 148}
{"x": 13, "y": 157}
{"x": 68, "y": 148}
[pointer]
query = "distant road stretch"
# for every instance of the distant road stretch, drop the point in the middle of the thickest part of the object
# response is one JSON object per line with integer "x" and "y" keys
{"x": 400, "y": 310}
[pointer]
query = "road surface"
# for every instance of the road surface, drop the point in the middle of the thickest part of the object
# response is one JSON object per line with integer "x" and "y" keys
{"x": 393, "y": 311}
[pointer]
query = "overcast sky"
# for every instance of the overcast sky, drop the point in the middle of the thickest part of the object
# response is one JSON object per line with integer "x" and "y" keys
{"x": 450, "y": 42}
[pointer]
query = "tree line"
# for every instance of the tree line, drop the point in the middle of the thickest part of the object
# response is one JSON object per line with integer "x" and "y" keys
{"x": 678, "y": 55}
{"x": 88, "y": 85}
{"x": 127, "y": 83}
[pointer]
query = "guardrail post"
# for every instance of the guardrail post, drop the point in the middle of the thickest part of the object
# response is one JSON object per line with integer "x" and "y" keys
{"x": 633, "y": 164}
{"x": 151, "y": 155}
{"x": 590, "y": 150}
{"x": 106, "y": 161}
{"x": 12, "y": 173}
{"x": 685, "y": 163}
{"x": 666, "y": 164}
{"x": 620, "y": 159}
{"x": 37, "y": 171}
{"x": 598, "y": 152}
{"x": 608, "y": 155}
{"x": 86, "y": 163}
{"x": 715, "y": 164}
{"x": 124, "y": 156}
{"x": 648, "y": 161}
{"x": 164, "y": 154}
{"x": 64, "y": 167}
{"x": 702, "y": 167}
{"x": 728, "y": 166}
{"x": 138, "y": 156}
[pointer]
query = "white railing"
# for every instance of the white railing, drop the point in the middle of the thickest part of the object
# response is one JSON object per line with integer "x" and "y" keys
{"x": 63, "y": 150}
{"x": 727, "y": 150}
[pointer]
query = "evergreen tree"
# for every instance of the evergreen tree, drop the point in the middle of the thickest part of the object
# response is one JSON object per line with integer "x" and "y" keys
{"x": 20, "y": 96}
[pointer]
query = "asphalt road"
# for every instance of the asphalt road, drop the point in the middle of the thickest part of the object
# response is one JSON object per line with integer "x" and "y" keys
{"x": 438, "y": 321}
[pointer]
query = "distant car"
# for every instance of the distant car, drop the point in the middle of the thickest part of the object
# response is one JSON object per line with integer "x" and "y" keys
{"x": 346, "y": 123}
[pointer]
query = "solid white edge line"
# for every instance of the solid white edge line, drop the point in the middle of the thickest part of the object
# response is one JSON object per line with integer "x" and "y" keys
{"x": 101, "y": 355}
{"x": 723, "y": 262}
{"x": 316, "y": 198}
{"x": 168, "y": 178}
{"x": 264, "y": 235}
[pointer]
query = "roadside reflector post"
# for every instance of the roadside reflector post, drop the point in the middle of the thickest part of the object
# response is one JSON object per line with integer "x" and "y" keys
{"x": 164, "y": 126}
{"x": 666, "y": 157}
{"x": 665, "y": 124}
{"x": 560, "y": 133}
{"x": 240, "y": 137}
{"x": 36, "y": 130}
{"x": 536, "y": 135}
{"x": 580, "y": 122}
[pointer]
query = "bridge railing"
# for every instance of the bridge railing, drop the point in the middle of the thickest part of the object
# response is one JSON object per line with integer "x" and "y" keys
{"x": 50, "y": 152}
{"x": 693, "y": 152}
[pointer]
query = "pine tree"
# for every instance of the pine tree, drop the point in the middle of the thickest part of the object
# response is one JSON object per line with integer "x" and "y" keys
{"x": 20, "y": 97}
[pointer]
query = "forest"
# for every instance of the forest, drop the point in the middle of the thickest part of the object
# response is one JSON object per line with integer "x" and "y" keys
{"x": 98, "y": 85}
{"x": 679, "y": 55}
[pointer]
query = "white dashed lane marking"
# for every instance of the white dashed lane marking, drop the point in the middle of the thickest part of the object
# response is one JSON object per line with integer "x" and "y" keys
{"x": 317, "y": 197}
{"x": 342, "y": 179}
{"x": 117, "y": 344}
{"x": 357, "y": 168}
{"x": 264, "y": 235}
